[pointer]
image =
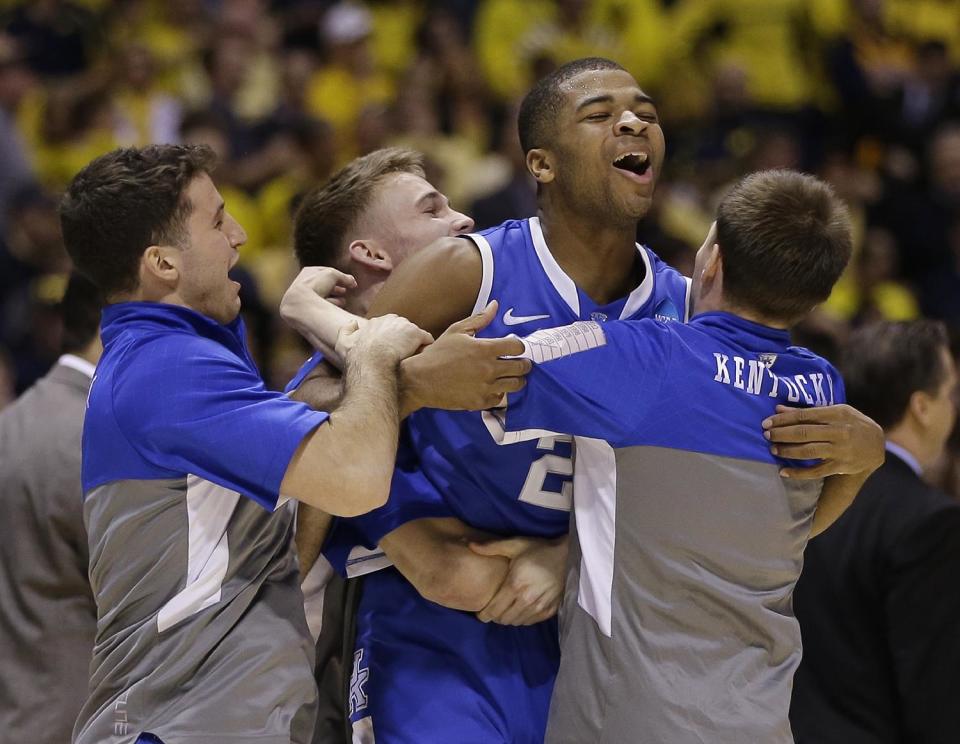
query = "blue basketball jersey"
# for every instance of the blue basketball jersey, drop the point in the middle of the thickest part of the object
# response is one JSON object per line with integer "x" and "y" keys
{"x": 523, "y": 488}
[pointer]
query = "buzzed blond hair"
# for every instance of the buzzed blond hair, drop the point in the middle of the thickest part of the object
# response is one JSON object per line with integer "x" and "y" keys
{"x": 329, "y": 212}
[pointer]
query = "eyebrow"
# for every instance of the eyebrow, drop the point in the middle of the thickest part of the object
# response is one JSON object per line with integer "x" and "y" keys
{"x": 607, "y": 98}
{"x": 429, "y": 196}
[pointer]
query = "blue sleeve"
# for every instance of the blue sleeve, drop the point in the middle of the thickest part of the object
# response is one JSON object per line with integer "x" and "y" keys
{"x": 197, "y": 408}
{"x": 305, "y": 369}
{"x": 602, "y": 392}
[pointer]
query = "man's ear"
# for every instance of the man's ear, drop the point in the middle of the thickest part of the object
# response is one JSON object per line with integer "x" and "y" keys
{"x": 712, "y": 271}
{"x": 161, "y": 263}
{"x": 920, "y": 406}
{"x": 540, "y": 165}
{"x": 371, "y": 255}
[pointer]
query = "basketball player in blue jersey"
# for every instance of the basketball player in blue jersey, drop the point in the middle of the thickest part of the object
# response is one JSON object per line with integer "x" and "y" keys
{"x": 370, "y": 216}
{"x": 423, "y": 672}
{"x": 678, "y": 622}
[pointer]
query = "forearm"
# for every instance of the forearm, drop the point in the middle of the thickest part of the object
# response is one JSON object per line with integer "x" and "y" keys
{"x": 320, "y": 323}
{"x": 838, "y": 493}
{"x": 432, "y": 554}
{"x": 312, "y": 528}
{"x": 461, "y": 580}
{"x": 345, "y": 467}
{"x": 410, "y": 386}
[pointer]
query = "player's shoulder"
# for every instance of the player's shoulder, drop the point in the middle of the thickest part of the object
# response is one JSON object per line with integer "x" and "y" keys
{"x": 661, "y": 267}
{"x": 671, "y": 289}
{"x": 806, "y": 356}
{"x": 506, "y": 227}
{"x": 166, "y": 361}
{"x": 645, "y": 332}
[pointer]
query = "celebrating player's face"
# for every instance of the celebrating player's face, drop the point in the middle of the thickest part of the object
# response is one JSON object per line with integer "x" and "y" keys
{"x": 213, "y": 239}
{"x": 411, "y": 214}
{"x": 610, "y": 144}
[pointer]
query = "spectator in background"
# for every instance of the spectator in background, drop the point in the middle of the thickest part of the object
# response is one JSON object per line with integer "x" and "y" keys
{"x": 869, "y": 291}
{"x": 348, "y": 80}
{"x": 941, "y": 289}
{"x": 144, "y": 113}
{"x": 47, "y": 613}
{"x": 929, "y": 94}
{"x": 32, "y": 258}
{"x": 519, "y": 41}
{"x": 313, "y": 159}
{"x": 877, "y": 600}
{"x": 517, "y": 198}
{"x": 921, "y": 219}
{"x": 16, "y": 81}
{"x": 59, "y": 36}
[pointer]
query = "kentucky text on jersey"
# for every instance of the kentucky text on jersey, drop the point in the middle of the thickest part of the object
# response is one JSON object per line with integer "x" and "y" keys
{"x": 756, "y": 376}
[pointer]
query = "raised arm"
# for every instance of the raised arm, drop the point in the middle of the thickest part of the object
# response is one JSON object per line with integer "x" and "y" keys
{"x": 434, "y": 287}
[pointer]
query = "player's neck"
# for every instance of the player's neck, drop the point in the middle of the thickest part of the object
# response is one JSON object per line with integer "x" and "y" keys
{"x": 716, "y": 302}
{"x": 601, "y": 259}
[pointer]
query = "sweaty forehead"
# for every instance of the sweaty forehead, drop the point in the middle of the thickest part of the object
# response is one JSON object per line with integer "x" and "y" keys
{"x": 590, "y": 83}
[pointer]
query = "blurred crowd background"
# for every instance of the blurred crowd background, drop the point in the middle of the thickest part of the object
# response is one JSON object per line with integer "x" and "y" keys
{"x": 864, "y": 93}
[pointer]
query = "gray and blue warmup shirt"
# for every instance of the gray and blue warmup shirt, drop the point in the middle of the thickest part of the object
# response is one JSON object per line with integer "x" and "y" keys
{"x": 201, "y": 635}
{"x": 677, "y": 625}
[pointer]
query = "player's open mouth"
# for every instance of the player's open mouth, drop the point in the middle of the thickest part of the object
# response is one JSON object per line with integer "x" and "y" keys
{"x": 635, "y": 164}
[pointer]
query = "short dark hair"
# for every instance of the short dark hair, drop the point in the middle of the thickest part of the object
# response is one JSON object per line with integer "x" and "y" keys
{"x": 883, "y": 364}
{"x": 80, "y": 310}
{"x": 328, "y": 212}
{"x": 541, "y": 106}
{"x": 125, "y": 201}
{"x": 784, "y": 238}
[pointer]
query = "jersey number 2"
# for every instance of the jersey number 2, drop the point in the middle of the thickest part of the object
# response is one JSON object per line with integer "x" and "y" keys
{"x": 533, "y": 491}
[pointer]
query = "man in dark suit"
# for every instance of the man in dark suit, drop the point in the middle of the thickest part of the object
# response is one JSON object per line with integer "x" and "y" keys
{"x": 879, "y": 601}
{"x": 47, "y": 612}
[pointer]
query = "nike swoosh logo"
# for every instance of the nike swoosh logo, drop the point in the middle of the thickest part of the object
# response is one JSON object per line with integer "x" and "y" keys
{"x": 510, "y": 319}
